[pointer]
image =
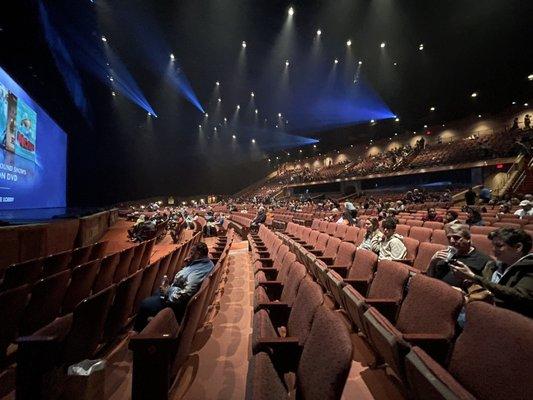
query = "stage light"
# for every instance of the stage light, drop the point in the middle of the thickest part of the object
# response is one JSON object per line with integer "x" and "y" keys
{"x": 149, "y": 114}
{"x": 314, "y": 146}
{"x": 432, "y": 109}
{"x": 526, "y": 104}
{"x": 277, "y": 126}
{"x": 530, "y": 77}
{"x": 225, "y": 119}
{"x": 279, "y": 115}
{"x": 234, "y": 137}
{"x": 219, "y": 99}
{"x": 301, "y": 150}
{"x": 421, "y": 46}
{"x": 287, "y": 63}
{"x": 291, "y": 11}
{"x": 256, "y": 110}
{"x": 104, "y": 39}
{"x": 397, "y": 119}
{"x": 215, "y": 129}
{"x": 513, "y": 103}
{"x": 253, "y": 140}
{"x": 172, "y": 57}
{"x": 318, "y": 32}
{"x": 113, "y": 94}
{"x": 200, "y": 126}
{"x": 252, "y": 94}
{"x": 206, "y": 115}
{"x": 443, "y": 125}
{"x": 277, "y": 158}
{"x": 238, "y": 107}
{"x": 269, "y": 160}
{"x": 336, "y": 61}
{"x": 425, "y": 126}
{"x": 217, "y": 83}
{"x": 288, "y": 154}
{"x": 395, "y": 64}
{"x": 395, "y": 134}
{"x": 360, "y": 63}
{"x": 111, "y": 79}
{"x": 372, "y": 121}
{"x": 479, "y": 115}
{"x": 473, "y": 95}
{"x": 349, "y": 43}
{"x": 243, "y": 44}
{"x": 382, "y": 45}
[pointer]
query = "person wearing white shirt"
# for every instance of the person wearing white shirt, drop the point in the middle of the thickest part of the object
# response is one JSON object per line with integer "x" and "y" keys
{"x": 525, "y": 211}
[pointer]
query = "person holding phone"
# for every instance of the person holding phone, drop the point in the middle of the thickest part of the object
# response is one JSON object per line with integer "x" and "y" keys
{"x": 510, "y": 279}
{"x": 460, "y": 249}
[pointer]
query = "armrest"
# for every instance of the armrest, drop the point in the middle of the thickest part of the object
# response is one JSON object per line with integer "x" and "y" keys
{"x": 266, "y": 261}
{"x": 316, "y": 252}
{"x": 269, "y": 272}
{"x": 342, "y": 270}
{"x": 307, "y": 246}
{"x": 436, "y": 345}
{"x": 277, "y": 311}
{"x": 408, "y": 261}
{"x": 285, "y": 352}
{"x": 326, "y": 260}
{"x": 387, "y": 307}
{"x": 273, "y": 288}
{"x": 151, "y": 343}
{"x": 360, "y": 285}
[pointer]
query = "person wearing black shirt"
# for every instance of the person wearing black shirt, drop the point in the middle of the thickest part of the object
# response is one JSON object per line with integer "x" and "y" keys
{"x": 460, "y": 249}
{"x": 470, "y": 197}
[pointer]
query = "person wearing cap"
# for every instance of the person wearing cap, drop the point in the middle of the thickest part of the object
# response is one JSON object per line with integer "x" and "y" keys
{"x": 525, "y": 209}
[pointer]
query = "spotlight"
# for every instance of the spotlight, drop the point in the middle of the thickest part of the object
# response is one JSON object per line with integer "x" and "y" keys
{"x": 253, "y": 140}
{"x": 336, "y": 61}
{"x": 217, "y": 83}
{"x": 421, "y": 46}
{"x": 372, "y": 121}
{"x": 432, "y": 109}
{"x": 149, "y": 114}
{"x": 395, "y": 64}
{"x": 287, "y": 63}
{"x": 277, "y": 126}
{"x": 288, "y": 154}
{"x": 473, "y": 95}
{"x": 206, "y": 115}
{"x": 252, "y": 94}
{"x": 243, "y": 44}
{"x": 526, "y": 105}
{"x": 530, "y": 77}
{"x": 200, "y": 126}
{"x": 318, "y": 32}
{"x": 382, "y": 45}
{"x": 238, "y": 107}
{"x": 514, "y": 102}
{"x": 172, "y": 57}
{"x": 397, "y": 119}
{"x": 113, "y": 93}
{"x": 256, "y": 110}
{"x": 301, "y": 150}
{"x": 215, "y": 129}
{"x": 479, "y": 115}
{"x": 349, "y": 43}
{"x": 219, "y": 99}
{"x": 360, "y": 63}
{"x": 111, "y": 79}
{"x": 314, "y": 146}
{"x": 425, "y": 126}
{"x": 225, "y": 119}
{"x": 269, "y": 160}
{"x": 104, "y": 39}
{"x": 291, "y": 11}
{"x": 234, "y": 137}
{"x": 279, "y": 115}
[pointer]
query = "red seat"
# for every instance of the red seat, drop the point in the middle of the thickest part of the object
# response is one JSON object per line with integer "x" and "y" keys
{"x": 352, "y": 232}
{"x": 403, "y": 229}
{"x": 414, "y": 222}
{"x": 476, "y": 370}
{"x": 425, "y": 253}
{"x": 105, "y": 276}
{"x": 57, "y": 263}
{"x": 412, "y": 248}
{"x": 482, "y": 230}
{"x": 27, "y": 272}
{"x": 506, "y": 224}
{"x": 341, "y": 231}
{"x": 81, "y": 283}
{"x": 147, "y": 283}
{"x": 138, "y": 252}
{"x": 433, "y": 225}
{"x": 123, "y": 265}
{"x": 421, "y": 234}
{"x": 419, "y": 322}
{"x": 12, "y": 304}
{"x": 483, "y": 244}
{"x": 439, "y": 237}
{"x": 331, "y": 228}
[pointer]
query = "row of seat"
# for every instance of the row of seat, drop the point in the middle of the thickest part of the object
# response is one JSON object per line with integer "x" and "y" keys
{"x": 94, "y": 322}
{"x": 410, "y": 319}
{"x": 162, "y": 347}
{"x": 295, "y": 334}
{"x": 29, "y": 272}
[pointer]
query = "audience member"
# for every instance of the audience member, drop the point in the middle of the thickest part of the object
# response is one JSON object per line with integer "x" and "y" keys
{"x": 460, "y": 249}
{"x": 485, "y": 194}
{"x": 451, "y": 217}
{"x": 391, "y": 246}
{"x": 176, "y": 296}
{"x": 260, "y": 218}
{"x": 470, "y": 197}
{"x": 474, "y": 217}
{"x": 372, "y": 237}
{"x": 510, "y": 279}
{"x": 525, "y": 209}
{"x": 432, "y": 216}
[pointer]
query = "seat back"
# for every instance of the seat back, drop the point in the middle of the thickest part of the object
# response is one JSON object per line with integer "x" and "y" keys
{"x": 414, "y": 222}
{"x": 162, "y": 271}
{"x": 352, "y": 232}
{"x": 81, "y": 283}
{"x": 493, "y": 356}
{"x": 288, "y": 260}
{"x": 87, "y": 326}
{"x": 328, "y": 344}
{"x": 81, "y": 255}
{"x": 345, "y": 254}
{"x": 98, "y": 250}
{"x": 56, "y": 263}
{"x": 418, "y": 313}
{"x": 145, "y": 259}
{"x": 483, "y": 244}
{"x": 411, "y": 246}
{"x": 439, "y": 237}
{"x": 123, "y": 265}
{"x": 433, "y": 225}
{"x": 138, "y": 252}
{"x": 331, "y": 228}
{"x": 341, "y": 231}
{"x": 122, "y": 307}
{"x": 482, "y": 230}
{"x": 360, "y": 236}
{"x": 421, "y": 234}
{"x": 45, "y": 302}
{"x": 296, "y": 273}
{"x": 307, "y": 301}
{"x": 389, "y": 281}
{"x": 403, "y": 230}
{"x": 332, "y": 247}
{"x": 12, "y": 304}
{"x": 322, "y": 226}
{"x": 27, "y": 272}
{"x": 426, "y": 251}
{"x": 315, "y": 224}
{"x": 147, "y": 283}
{"x": 363, "y": 265}
{"x": 106, "y": 273}
{"x": 313, "y": 237}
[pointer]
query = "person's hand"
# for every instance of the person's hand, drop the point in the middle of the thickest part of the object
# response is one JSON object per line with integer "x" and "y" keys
{"x": 462, "y": 271}
{"x": 441, "y": 255}
{"x": 163, "y": 291}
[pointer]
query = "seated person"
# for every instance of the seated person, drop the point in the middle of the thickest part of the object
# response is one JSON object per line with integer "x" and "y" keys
{"x": 451, "y": 217}
{"x": 474, "y": 217}
{"x": 346, "y": 219}
{"x": 509, "y": 280}
{"x": 460, "y": 249}
{"x": 260, "y": 218}
{"x": 525, "y": 209}
{"x": 372, "y": 236}
{"x": 185, "y": 285}
{"x": 432, "y": 216}
{"x": 391, "y": 246}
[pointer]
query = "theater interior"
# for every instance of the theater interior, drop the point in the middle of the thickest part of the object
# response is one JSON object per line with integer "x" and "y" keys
{"x": 237, "y": 199}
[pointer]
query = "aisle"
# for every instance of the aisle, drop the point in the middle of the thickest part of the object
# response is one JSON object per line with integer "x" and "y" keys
{"x": 217, "y": 368}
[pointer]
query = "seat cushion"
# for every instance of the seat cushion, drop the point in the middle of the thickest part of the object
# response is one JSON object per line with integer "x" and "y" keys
{"x": 263, "y": 381}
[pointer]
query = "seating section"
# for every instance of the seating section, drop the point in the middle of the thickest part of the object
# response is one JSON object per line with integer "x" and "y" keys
{"x": 76, "y": 313}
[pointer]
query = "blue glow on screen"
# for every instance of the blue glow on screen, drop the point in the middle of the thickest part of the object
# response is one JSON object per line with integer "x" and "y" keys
{"x": 33, "y": 152}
